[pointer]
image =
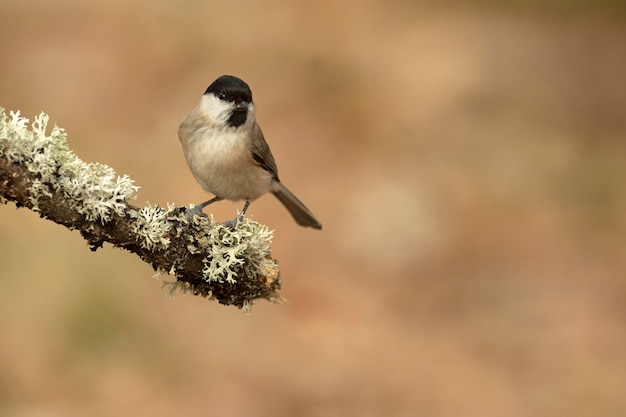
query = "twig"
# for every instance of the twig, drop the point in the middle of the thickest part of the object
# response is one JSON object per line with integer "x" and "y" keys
{"x": 39, "y": 171}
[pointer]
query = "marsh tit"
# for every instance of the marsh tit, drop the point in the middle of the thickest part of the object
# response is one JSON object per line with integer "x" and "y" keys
{"x": 227, "y": 153}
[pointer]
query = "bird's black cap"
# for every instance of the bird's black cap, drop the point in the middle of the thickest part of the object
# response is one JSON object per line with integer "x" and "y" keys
{"x": 230, "y": 88}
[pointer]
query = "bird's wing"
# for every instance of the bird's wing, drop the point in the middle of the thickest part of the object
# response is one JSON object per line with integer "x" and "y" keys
{"x": 261, "y": 152}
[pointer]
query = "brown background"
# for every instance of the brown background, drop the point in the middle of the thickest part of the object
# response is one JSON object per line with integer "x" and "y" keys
{"x": 468, "y": 162}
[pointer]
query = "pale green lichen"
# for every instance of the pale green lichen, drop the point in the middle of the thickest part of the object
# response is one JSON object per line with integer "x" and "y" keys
{"x": 247, "y": 247}
{"x": 152, "y": 226}
{"x": 95, "y": 189}
{"x": 236, "y": 252}
{"x": 177, "y": 286}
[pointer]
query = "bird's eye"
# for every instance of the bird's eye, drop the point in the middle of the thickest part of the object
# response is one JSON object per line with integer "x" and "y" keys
{"x": 222, "y": 96}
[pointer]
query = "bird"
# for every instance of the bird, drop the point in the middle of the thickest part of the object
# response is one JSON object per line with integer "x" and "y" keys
{"x": 227, "y": 153}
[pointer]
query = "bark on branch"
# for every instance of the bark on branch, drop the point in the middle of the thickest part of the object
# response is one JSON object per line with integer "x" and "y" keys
{"x": 38, "y": 171}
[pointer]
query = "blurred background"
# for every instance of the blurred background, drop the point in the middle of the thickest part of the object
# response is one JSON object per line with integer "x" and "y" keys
{"x": 467, "y": 160}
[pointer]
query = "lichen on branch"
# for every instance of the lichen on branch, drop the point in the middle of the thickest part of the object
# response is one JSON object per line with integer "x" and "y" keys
{"x": 39, "y": 171}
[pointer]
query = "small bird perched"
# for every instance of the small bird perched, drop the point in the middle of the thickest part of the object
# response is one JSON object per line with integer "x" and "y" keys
{"x": 227, "y": 153}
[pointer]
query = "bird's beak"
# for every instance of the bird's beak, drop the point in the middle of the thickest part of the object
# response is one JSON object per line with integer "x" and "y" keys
{"x": 241, "y": 107}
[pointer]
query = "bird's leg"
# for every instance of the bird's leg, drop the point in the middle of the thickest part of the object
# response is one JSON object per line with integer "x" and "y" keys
{"x": 233, "y": 223}
{"x": 197, "y": 210}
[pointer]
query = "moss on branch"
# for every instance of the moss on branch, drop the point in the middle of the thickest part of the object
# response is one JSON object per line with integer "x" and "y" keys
{"x": 39, "y": 171}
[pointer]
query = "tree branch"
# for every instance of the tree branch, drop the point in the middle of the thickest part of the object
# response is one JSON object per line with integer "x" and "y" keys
{"x": 39, "y": 171}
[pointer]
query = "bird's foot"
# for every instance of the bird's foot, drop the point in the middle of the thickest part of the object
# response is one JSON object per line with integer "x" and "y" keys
{"x": 231, "y": 224}
{"x": 196, "y": 211}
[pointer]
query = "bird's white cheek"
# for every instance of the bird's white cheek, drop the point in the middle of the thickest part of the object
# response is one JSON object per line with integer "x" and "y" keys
{"x": 217, "y": 110}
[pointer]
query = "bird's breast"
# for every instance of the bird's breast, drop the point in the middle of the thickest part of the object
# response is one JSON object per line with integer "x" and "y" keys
{"x": 222, "y": 163}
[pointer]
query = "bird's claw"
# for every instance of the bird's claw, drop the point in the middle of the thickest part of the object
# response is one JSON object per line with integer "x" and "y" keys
{"x": 231, "y": 224}
{"x": 196, "y": 211}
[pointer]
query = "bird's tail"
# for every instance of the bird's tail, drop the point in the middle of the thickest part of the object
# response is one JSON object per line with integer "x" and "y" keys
{"x": 297, "y": 209}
